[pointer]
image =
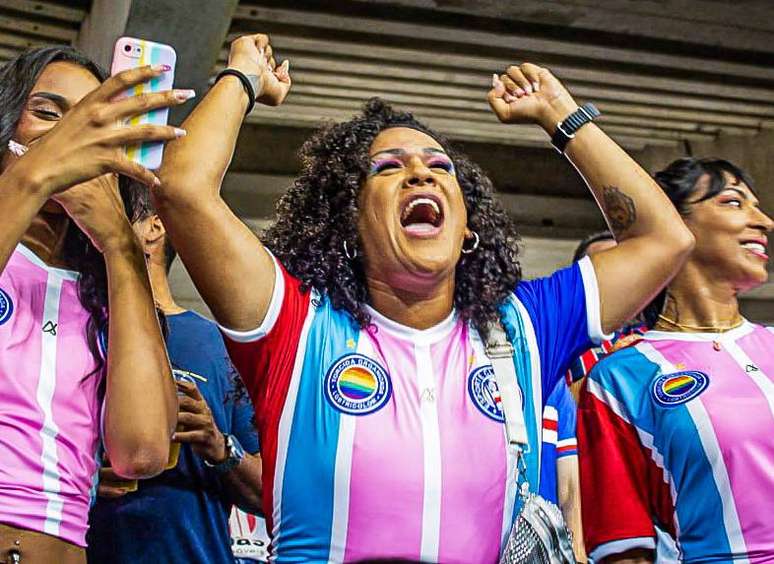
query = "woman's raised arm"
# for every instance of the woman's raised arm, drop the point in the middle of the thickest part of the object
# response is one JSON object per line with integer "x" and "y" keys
{"x": 653, "y": 240}
{"x": 228, "y": 264}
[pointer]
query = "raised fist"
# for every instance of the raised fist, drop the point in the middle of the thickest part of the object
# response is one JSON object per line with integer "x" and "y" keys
{"x": 252, "y": 54}
{"x": 530, "y": 94}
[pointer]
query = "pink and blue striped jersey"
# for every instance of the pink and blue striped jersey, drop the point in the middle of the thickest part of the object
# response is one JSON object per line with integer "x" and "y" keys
{"x": 678, "y": 431}
{"x": 49, "y": 404}
{"x": 388, "y": 442}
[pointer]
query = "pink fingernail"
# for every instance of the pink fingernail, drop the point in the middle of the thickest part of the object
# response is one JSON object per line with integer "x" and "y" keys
{"x": 495, "y": 80}
{"x": 183, "y": 95}
{"x": 528, "y": 89}
{"x": 520, "y": 93}
{"x": 162, "y": 68}
{"x": 156, "y": 181}
{"x": 536, "y": 86}
{"x": 509, "y": 97}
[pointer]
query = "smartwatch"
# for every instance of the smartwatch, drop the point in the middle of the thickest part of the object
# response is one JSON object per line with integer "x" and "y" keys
{"x": 565, "y": 129}
{"x": 234, "y": 455}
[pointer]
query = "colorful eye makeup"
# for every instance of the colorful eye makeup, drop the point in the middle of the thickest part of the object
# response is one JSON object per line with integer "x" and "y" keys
{"x": 441, "y": 162}
{"x": 380, "y": 165}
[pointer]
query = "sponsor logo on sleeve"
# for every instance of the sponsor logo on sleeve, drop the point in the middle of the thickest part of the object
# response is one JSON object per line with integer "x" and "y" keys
{"x": 484, "y": 392}
{"x": 678, "y": 388}
{"x": 357, "y": 385}
{"x": 6, "y": 307}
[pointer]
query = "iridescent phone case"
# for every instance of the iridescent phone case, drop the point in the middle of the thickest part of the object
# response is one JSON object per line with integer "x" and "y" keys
{"x": 131, "y": 53}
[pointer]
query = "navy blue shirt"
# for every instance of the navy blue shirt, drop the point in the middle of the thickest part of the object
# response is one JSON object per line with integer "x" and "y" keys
{"x": 181, "y": 516}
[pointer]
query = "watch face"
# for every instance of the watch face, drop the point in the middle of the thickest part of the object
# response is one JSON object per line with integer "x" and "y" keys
{"x": 235, "y": 450}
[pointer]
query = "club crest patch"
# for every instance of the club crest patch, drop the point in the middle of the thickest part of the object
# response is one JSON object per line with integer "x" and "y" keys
{"x": 678, "y": 388}
{"x": 484, "y": 392}
{"x": 6, "y": 307}
{"x": 357, "y": 385}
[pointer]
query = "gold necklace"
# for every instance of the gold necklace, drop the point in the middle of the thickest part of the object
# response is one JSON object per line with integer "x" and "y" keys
{"x": 715, "y": 344}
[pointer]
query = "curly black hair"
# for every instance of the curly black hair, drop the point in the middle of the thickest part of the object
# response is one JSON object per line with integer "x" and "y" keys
{"x": 319, "y": 213}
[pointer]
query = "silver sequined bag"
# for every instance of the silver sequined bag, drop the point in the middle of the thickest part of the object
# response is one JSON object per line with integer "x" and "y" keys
{"x": 539, "y": 535}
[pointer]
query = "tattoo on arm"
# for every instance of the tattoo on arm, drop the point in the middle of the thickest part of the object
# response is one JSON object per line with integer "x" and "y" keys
{"x": 619, "y": 209}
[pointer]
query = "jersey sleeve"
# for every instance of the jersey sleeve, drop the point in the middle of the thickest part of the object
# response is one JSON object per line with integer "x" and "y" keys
{"x": 566, "y": 441}
{"x": 264, "y": 357}
{"x": 565, "y": 314}
{"x": 621, "y": 487}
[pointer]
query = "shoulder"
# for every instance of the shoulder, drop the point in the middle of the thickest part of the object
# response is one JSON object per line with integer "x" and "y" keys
{"x": 624, "y": 375}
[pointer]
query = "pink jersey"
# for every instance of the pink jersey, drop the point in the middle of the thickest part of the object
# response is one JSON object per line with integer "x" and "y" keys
{"x": 388, "y": 442}
{"x": 684, "y": 423}
{"x": 49, "y": 404}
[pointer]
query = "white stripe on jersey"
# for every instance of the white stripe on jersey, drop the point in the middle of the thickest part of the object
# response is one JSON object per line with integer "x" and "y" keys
{"x": 758, "y": 377}
{"x": 550, "y": 413}
{"x": 343, "y": 471}
{"x": 709, "y": 443}
{"x": 45, "y": 396}
{"x": 431, "y": 436}
{"x": 285, "y": 422}
{"x": 550, "y": 436}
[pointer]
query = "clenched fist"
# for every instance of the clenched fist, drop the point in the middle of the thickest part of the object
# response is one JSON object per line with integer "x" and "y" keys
{"x": 530, "y": 94}
{"x": 253, "y": 55}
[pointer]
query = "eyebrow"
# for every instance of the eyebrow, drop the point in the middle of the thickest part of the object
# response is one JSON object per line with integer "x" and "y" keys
{"x": 400, "y": 152}
{"x": 743, "y": 194}
{"x": 61, "y": 101}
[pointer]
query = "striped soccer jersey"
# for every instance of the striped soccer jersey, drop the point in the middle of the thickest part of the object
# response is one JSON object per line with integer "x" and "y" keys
{"x": 678, "y": 431}
{"x": 388, "y": 442}
{"x": 49, "y": 405}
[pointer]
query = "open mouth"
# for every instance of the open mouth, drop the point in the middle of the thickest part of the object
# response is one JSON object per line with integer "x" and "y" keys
{"x": 422, "y": 214}
{"x": 756, "y": 247}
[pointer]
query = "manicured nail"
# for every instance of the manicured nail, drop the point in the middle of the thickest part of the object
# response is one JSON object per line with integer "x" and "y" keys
{"x": 180, "y": 132}
{"x": 156, "y": 181}
{"x": 161, "y": 68}
{"x": 509, "y": 97}
{"x": 536, "y": 86}
{"x": 528, "y": 89}
{"x": 495, "y": 81}
{"x": 520, "y": 92}
{"x": 183, "y": 95}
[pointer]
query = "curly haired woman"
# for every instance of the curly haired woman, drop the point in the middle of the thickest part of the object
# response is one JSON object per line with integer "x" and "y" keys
{"x": 358, "y": 326}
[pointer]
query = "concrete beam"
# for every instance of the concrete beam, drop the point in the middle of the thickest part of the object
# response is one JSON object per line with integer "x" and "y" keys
{"x": 195, "y": 28}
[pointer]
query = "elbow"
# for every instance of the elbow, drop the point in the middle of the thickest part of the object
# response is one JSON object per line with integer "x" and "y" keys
{"x": 684, "y": 241}
{"x": 141, "y": 462}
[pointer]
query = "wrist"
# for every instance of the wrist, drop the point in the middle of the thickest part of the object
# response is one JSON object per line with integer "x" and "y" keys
{"x": 219, "y": 452}
{"x": 555, "y": 112}
{"x": 29, "y": 181}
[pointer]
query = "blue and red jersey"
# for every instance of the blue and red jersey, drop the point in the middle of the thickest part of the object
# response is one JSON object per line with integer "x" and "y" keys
{"x": 677, "y": 432}
{"x": 559, "y": 440}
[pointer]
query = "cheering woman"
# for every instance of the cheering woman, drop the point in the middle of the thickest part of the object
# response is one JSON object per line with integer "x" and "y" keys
{"x": 677, "y": 431}
{"x": 358, "y": 324}
{"x": 82, "y": 361}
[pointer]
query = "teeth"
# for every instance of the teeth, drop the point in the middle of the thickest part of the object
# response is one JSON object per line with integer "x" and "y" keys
{"x": 415, "y": 203}
{"x": 757, "y": 247}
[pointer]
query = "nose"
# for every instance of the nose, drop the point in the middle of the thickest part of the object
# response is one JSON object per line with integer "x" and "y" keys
{"x": 419, "y": 174}
{"x": 761, "y": 220}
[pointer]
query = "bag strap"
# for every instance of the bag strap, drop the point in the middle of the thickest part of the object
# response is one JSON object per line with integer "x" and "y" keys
{"x": 500, "y": 352}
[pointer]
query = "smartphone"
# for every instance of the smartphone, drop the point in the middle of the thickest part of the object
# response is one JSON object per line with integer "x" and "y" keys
{"x": 129, "y": 53}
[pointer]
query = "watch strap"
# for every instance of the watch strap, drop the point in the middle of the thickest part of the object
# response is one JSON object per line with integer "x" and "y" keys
{"x": 566, "y": 129}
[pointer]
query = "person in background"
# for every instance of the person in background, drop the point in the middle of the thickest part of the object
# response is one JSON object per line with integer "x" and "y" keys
{"x": 181, "y": 516}
{"x": 580, "y": 367}
{"x": 677, "y": 430}
{"x": 559, "y": 477}
{"x": 76, "y": 309}
{"x": 249, "y": 537}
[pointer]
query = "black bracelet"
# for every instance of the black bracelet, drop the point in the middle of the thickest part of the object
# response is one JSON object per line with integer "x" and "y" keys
{"x": 247, "y": 84}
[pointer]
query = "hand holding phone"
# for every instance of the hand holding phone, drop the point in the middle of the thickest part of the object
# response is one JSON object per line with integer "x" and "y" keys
{"x": 131, "y": 53}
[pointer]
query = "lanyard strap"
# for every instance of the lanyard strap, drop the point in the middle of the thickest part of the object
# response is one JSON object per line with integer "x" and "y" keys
{"x": 500, "y": 352}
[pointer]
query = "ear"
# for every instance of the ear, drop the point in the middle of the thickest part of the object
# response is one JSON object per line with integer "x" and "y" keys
{"x": 156, "y": 228}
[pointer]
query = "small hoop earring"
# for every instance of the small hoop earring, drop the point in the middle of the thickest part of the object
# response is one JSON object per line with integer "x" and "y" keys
{"x": 475, "y": 244}
{"x": 350, "y": 256}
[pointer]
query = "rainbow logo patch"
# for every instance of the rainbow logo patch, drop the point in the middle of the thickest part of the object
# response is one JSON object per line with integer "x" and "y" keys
{"x": 357, "y": 385}
{"x": 6, "y": 307}
{"x": 680, "y": 387}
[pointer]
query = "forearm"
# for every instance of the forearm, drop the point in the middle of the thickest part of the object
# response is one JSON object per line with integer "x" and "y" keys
{"x": 23, "y": 198}
{"x": 244, "y": 484}
{"x": 200, "y": 223}
{"x": 140, "y": 398}
{"x": 570, "y": 502}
